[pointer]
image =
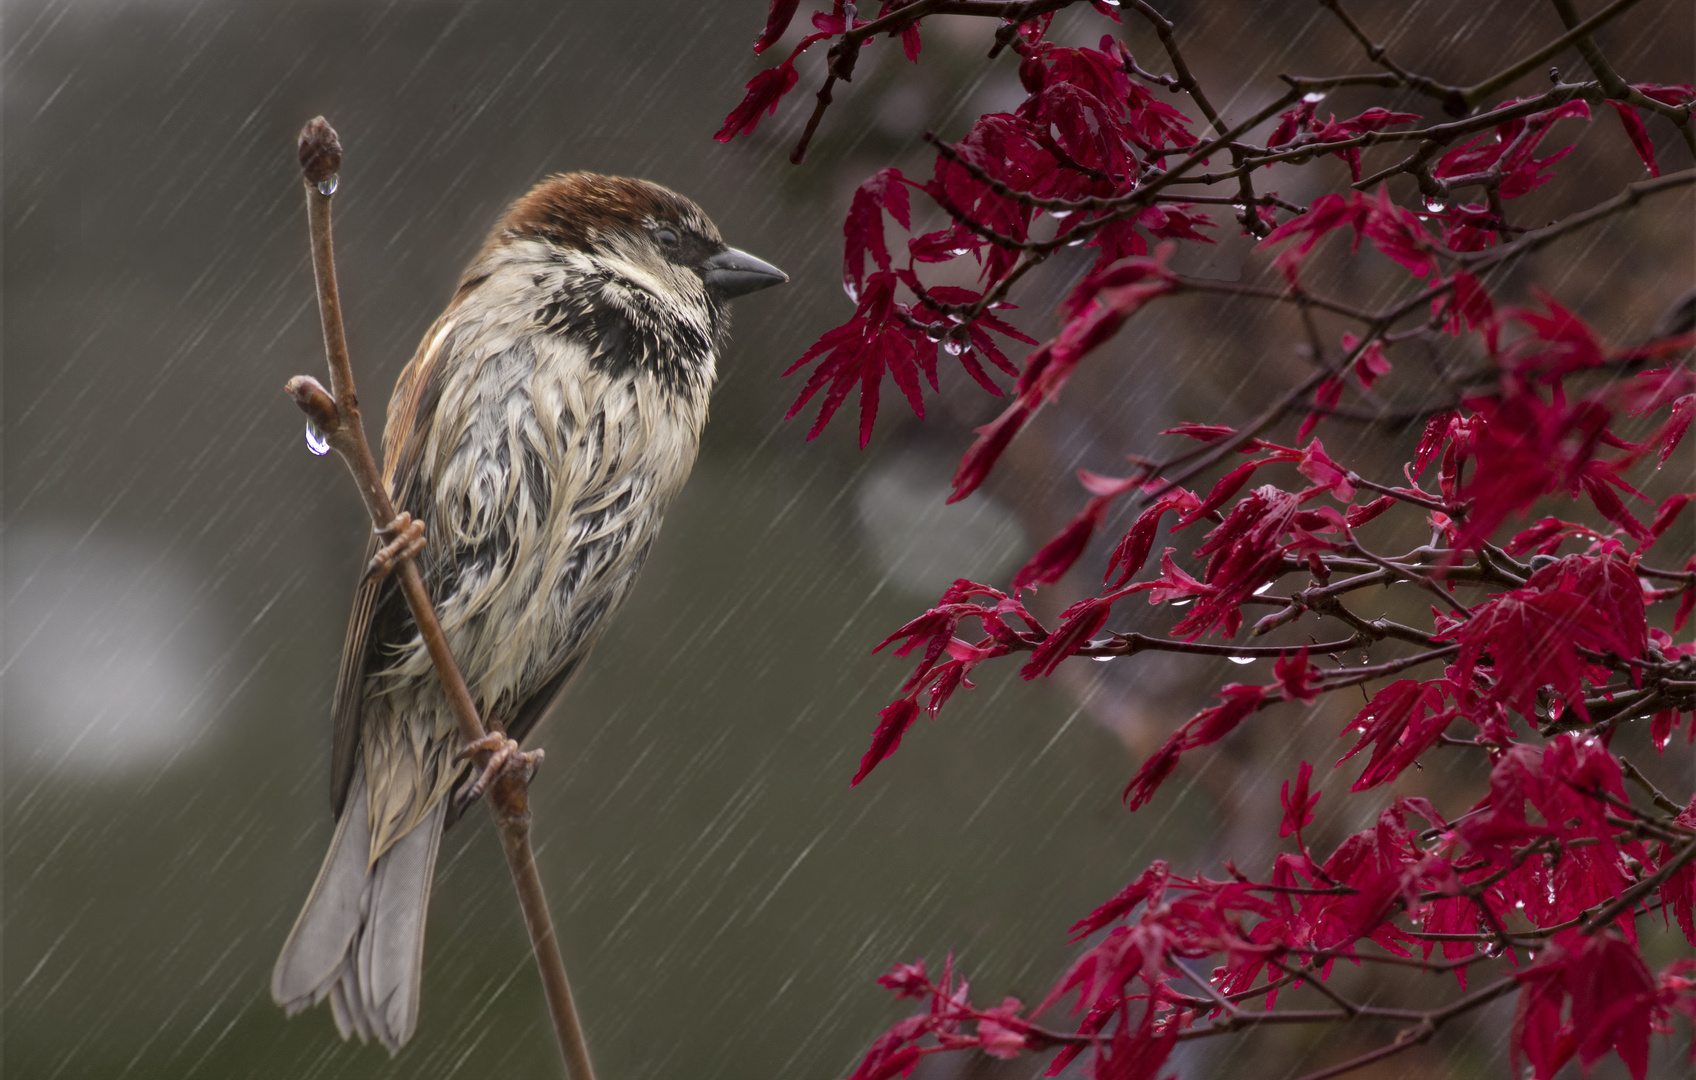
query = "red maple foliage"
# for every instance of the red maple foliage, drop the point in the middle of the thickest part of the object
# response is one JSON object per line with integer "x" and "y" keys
{"x": 1541, "y": 889}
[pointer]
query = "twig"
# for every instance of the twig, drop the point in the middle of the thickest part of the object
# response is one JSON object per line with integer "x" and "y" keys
{"x": 1617, "y": 87}
{"x": 1479, "y": 91}
{"x": 1635, "y": 774}
{"x": 1453, "y": 97}
{"x": 1629, "y": 897}
{"x": 337, "y": 416}
{"x": 1409, "y": 1038}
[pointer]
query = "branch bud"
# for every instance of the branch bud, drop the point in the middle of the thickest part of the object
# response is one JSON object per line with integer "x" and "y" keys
{"x": 315, "y": 402}
{"x": 320, "y": 151}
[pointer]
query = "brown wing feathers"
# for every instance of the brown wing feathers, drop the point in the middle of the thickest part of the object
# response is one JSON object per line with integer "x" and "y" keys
{"x": 415, "y": 396}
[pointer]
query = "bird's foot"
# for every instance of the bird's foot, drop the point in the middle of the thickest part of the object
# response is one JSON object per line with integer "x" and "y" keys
{"x": 405, "y": 536}
{"x": 504, "y": 758}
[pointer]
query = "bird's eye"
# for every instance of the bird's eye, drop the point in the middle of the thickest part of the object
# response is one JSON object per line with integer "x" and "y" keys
{"x": 666, "y": 237}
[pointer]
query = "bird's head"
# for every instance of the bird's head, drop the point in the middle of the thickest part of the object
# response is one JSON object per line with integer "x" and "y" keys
{"x": 647, "y": 235}
{"x": 634, "y": 271}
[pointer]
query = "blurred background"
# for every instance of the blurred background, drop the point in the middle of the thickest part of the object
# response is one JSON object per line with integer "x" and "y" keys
{"x": 177, "y": 566}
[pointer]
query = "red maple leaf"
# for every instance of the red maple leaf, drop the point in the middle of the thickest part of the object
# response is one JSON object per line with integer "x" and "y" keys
{"x": 1298, "y": 805}
{"x": 1533, "y": 634}
{"x": 1402, "y": 721}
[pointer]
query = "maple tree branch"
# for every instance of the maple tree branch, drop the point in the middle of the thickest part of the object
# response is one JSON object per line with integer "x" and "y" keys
{"x": 1481, "y": 90}
{"x": 1635, "y": 775}
{"x": 1422, "y": 580}
{"x": 1207, "y": 986}
{"x": 1132, "y": 643}
{"x": 1184, "y": 80}
{"x": 1318, "y": 984}
{"x": 1531, "y": 241}
{"x": 1428, "y": 1024}
{"x": 1438, "y": 133}
{"x": 1397, "y": 493}
{"x": 1627, "y": 899}
{"x": 844, "y": 54}
{"x": 1220, "y": 449}
{"x": 1618, "y": 88}
{"x": 1453, "y": 97}
{"x": 908, "y": 14}
{"x": 1338, "y": 678}
{"x": 337, "y": 417}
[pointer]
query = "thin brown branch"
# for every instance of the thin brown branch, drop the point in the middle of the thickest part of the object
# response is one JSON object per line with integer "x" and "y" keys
{"x": 1625, "y": 200}
{"x": 1617, "y": 88}
{"x": 1425, "y": 1029}
{"x": 1627, "y": 899}
{"x": 1131, "y": 644}
{"x": 1317, "y": 984}
{"x": 1479, "y": 91}
{"x": 1453, "y": 97}
{"x": 1635, "y": 775}
{"x": 1355, "y": 676}
{"x": 1422, "y": 580}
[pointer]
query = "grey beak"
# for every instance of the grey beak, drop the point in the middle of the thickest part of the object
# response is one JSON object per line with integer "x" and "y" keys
{"x": 737, "y": 273}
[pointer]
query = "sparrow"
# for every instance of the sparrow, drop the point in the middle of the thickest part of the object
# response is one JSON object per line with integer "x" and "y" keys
{"x": 544, "y": 425}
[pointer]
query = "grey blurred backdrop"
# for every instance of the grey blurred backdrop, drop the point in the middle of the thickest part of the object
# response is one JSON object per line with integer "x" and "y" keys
{"x": 177, "y": 566}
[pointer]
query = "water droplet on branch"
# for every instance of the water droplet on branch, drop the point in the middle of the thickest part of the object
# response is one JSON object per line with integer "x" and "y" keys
{"x": 327, "y": 187}
{"x": 315, "y": 440}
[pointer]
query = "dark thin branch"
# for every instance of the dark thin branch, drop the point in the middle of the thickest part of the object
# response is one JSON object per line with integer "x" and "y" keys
{"x": 1439, "y": 133}
{"x": 1453, "y": 97}
{"x": 1479, "y": 91}
{"x": 1532, "y": 241}
{"x": 1131, "y": 644}
{"x": 1415, "y": 1036}
{"x": 1617, "y": 87}
{"x": 1635, "y": 775}
{"x": 1417, "y": 578}
{"x": 1629, "y": 897}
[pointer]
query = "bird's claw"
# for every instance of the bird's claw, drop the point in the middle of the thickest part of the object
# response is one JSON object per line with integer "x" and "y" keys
{"x": 405, "y": 536}
{"x": 504, "y": 758}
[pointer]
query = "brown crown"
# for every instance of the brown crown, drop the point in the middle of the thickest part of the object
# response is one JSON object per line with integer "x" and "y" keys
{"x": 570, "y": 209}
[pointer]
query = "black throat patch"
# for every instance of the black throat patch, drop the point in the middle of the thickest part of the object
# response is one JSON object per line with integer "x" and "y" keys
{"x": 635, "y": 337}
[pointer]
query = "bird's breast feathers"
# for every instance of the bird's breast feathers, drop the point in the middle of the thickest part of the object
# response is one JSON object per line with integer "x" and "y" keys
{"x": 550, "y": 447}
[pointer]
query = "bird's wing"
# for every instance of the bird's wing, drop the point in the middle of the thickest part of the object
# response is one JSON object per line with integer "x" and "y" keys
{"x": 350, "y": 686}
{"x": 410, "y": 412}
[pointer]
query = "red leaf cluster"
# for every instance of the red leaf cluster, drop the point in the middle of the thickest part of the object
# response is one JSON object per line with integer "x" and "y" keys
{"x": 1529, "y": 668}
{"x": 1542, "y": 635}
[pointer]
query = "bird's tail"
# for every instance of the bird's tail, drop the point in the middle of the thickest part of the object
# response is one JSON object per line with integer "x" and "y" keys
{"x": 360, "y": 939}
